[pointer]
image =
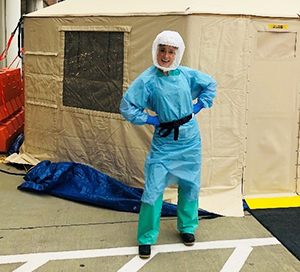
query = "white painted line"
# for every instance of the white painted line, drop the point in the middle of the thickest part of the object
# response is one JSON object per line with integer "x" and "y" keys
{"x": 237, "y": 259}
{"x": 218, "y": 244}
{"x": 31, "y": 259}
{"x": 136, "y": 263}
{"x": 67, "y": 255}
{"x": 31, "y": 265}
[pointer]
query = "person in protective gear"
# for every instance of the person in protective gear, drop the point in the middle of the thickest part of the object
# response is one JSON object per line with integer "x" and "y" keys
{"x": 169, "y": 89}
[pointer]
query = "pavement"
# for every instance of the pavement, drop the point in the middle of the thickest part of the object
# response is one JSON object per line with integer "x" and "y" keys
{"x": 40, "y": 232}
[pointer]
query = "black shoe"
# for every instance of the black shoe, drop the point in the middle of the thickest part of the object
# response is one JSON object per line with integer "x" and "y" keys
{"x": 144, "y": 251}
{"x": 188, "y": 238}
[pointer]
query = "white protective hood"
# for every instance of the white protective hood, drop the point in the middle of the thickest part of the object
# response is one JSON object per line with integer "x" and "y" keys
{"x": 171, "y": 38}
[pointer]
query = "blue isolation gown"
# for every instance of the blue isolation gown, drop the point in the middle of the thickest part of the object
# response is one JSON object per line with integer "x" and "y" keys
{"x": 171, "y": 98}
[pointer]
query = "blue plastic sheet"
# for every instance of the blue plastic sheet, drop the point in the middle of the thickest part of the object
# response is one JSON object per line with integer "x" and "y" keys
{"x": 16, "y": 144}
{"x": 81, "y": 183}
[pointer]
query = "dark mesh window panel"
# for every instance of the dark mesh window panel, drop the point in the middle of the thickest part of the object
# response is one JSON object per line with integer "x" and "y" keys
{"x": 93, "y": 70}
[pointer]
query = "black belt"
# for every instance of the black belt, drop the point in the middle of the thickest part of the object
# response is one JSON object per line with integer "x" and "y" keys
{"x": 169, "y": 126}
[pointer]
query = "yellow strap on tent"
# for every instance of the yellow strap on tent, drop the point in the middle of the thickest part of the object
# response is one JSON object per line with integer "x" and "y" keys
{"x": 276, "y": 202}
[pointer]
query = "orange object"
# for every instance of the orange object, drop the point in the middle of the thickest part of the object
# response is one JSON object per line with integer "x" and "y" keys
{"x": 11, "y": 106}
{"x": 10, "y": 128}
{"x": 3, "y": 112}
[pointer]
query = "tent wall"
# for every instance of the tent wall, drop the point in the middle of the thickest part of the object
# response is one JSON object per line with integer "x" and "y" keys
{"x": 217, "y": 45}
{"x": 249, "y": 135}
{"x": 273, "y": 108}
{"x": 297, "y": 175}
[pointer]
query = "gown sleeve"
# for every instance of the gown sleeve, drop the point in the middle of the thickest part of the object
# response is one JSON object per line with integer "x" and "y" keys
{"x": 203, "y": 87}
{"x": 135, "y": 101}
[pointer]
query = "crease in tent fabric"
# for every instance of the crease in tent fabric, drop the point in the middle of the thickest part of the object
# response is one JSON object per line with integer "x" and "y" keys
{"x": 82, "y": 183}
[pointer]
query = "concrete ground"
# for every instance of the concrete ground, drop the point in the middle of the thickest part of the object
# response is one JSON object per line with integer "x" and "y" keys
{"x": 39, "y": 232}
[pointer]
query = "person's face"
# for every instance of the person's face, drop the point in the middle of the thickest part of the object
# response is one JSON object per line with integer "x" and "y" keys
{"x": 166, "y": 55}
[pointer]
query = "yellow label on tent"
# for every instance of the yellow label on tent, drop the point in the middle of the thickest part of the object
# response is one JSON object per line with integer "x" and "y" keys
{"x": 278, "y": 26}
{"x": 274, "y": 202}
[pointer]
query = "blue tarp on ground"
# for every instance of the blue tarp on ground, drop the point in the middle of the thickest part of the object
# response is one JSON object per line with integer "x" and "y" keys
{"x": 81, "y": 183}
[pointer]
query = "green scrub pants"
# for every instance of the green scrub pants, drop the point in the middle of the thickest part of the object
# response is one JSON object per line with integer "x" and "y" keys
{"x": 149, "y": 219}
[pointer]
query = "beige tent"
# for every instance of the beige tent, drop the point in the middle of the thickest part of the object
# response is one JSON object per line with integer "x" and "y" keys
{"x": 82, "y": 55}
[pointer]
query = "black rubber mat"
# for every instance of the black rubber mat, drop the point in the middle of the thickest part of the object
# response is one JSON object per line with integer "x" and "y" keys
{"x": 284, "y": 224}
